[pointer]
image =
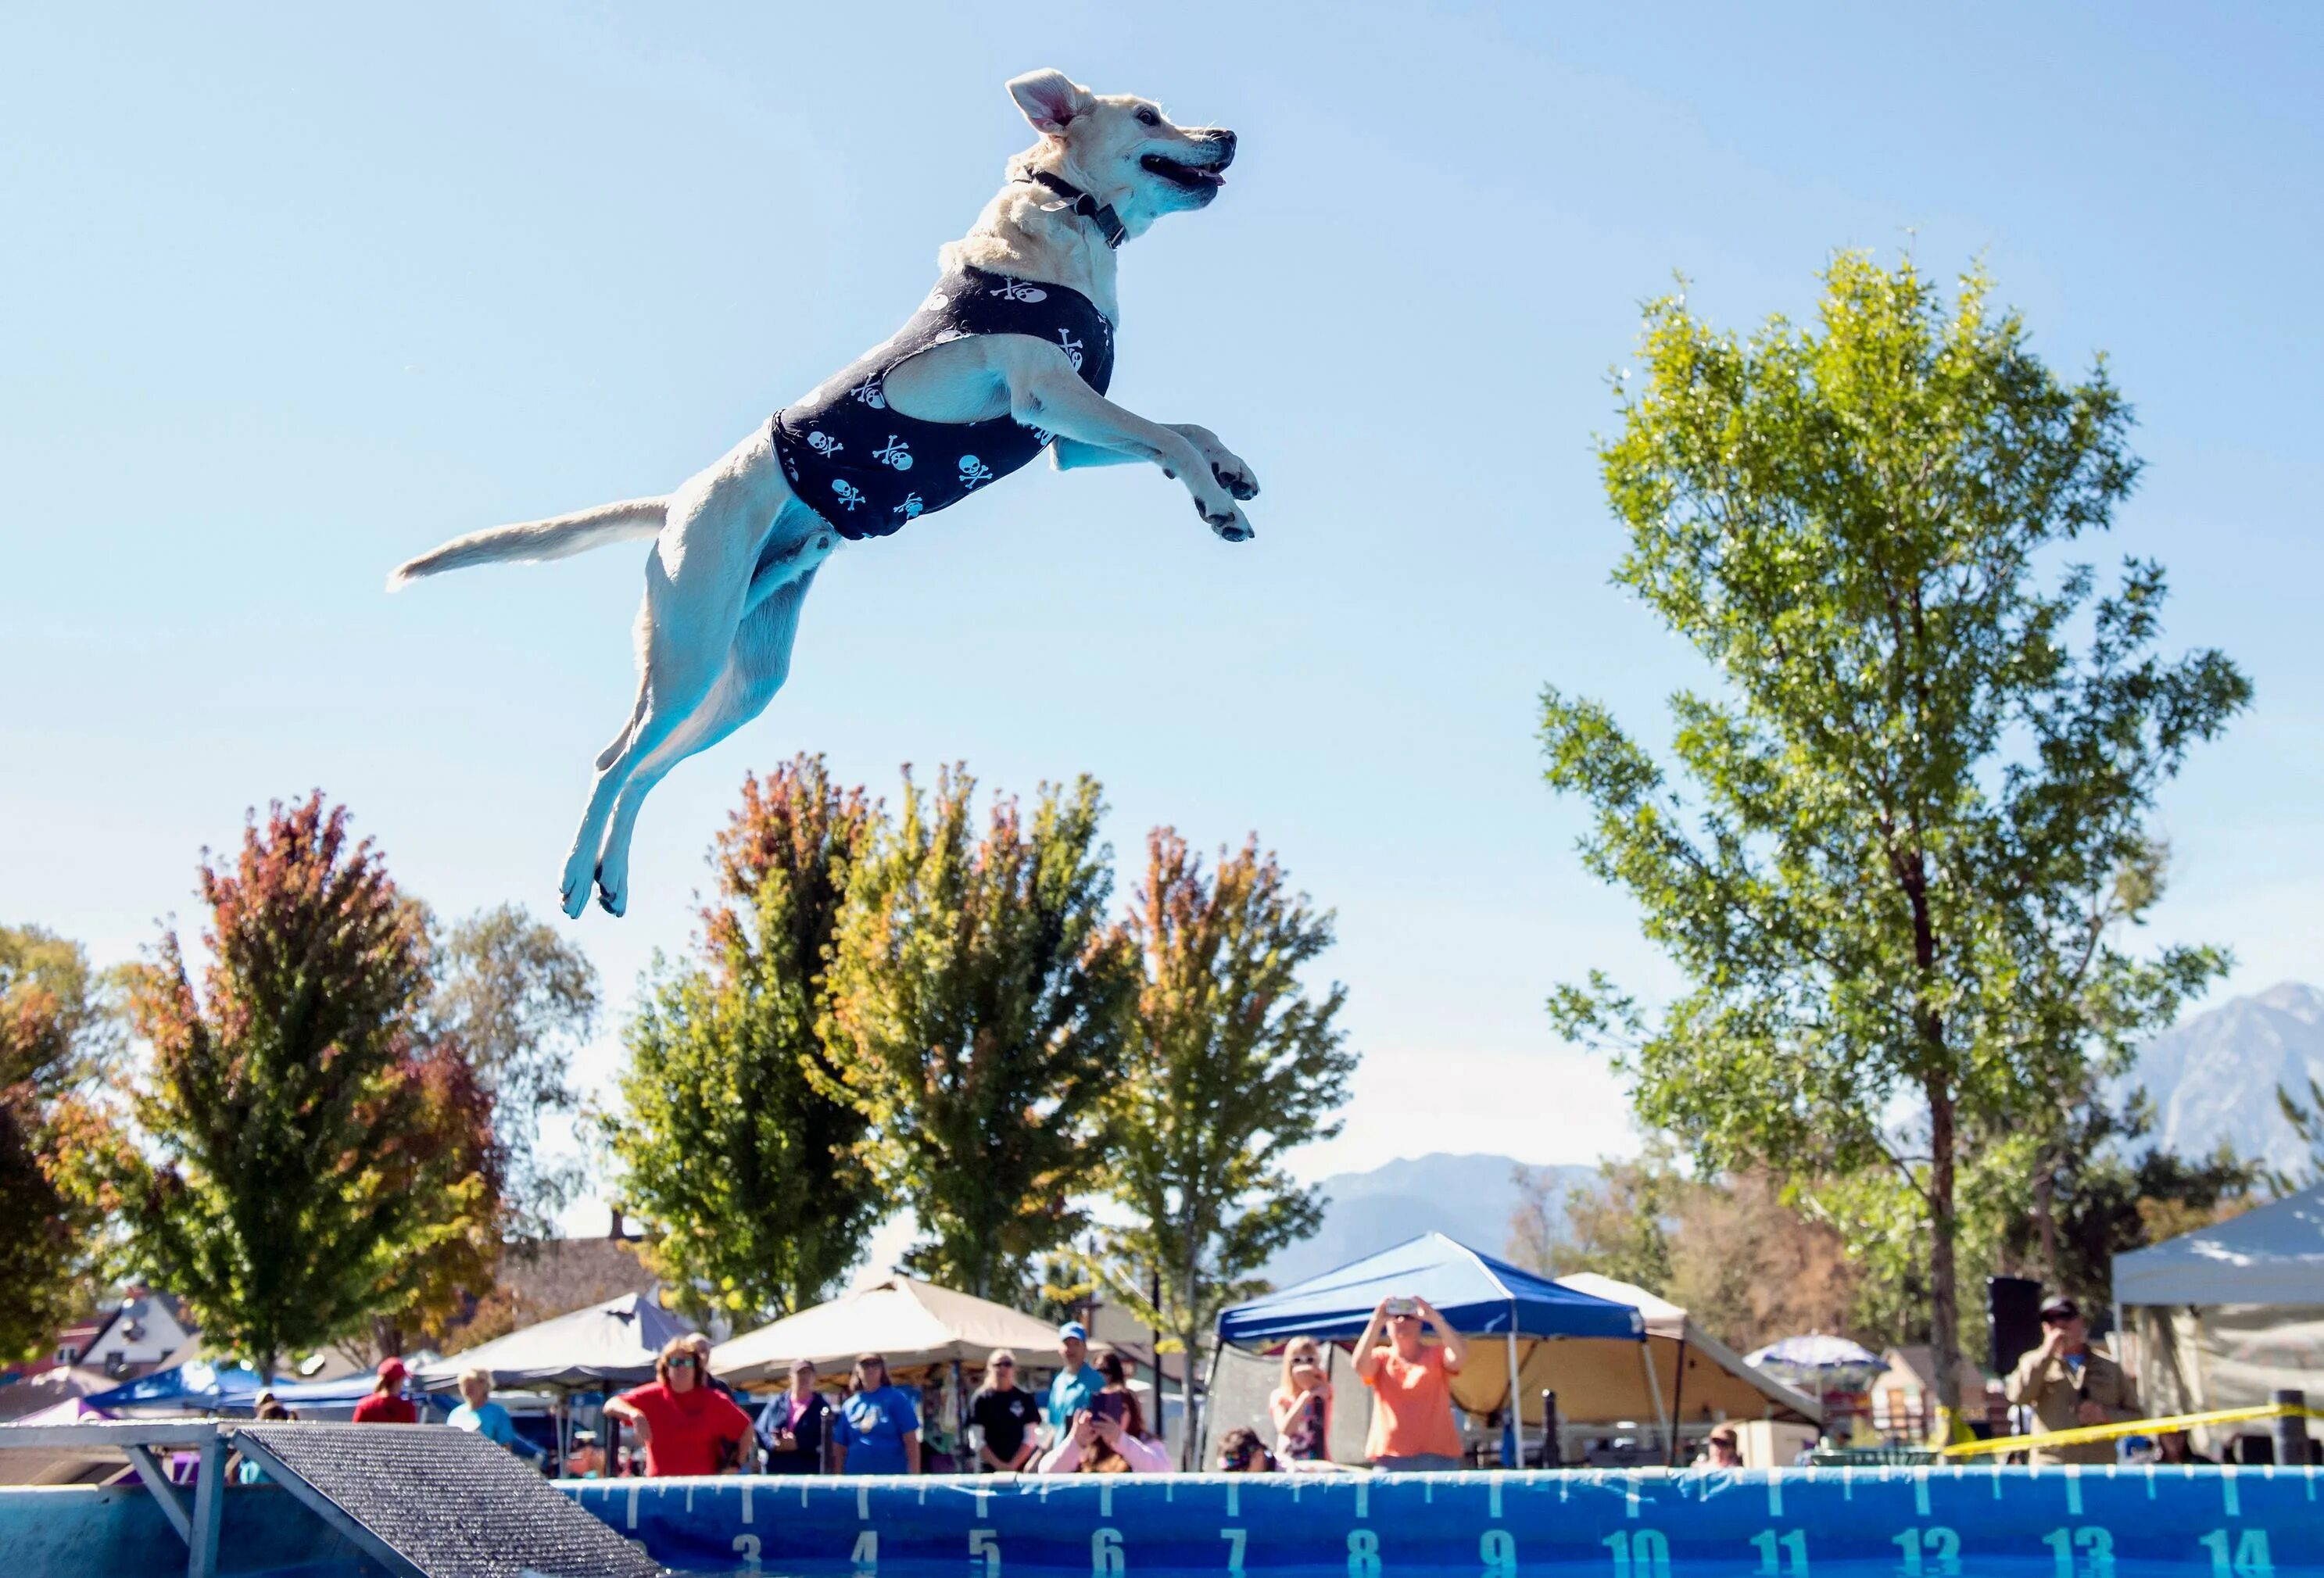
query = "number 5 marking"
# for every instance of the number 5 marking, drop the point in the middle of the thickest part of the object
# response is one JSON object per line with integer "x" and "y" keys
{"x": 981, "y": 1543}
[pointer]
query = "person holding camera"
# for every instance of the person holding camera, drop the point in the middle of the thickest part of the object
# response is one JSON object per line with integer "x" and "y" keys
{"x": 792, "y": 1427}
{"x": 2069, "y": 1384}
{"x": 1301, "y": 1405}
{"x": 1412, "y": 1430}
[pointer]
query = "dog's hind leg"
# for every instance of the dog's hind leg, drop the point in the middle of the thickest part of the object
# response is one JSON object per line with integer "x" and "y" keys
{"x": 756, "y": 667}
{"x": 697, "y": 580}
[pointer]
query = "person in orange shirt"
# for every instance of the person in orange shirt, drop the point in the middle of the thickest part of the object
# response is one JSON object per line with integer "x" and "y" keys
{"x": 1412, "y": 1430}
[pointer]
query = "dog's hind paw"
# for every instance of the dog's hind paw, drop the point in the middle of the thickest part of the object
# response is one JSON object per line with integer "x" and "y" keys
{"x": 1236, "y": 479}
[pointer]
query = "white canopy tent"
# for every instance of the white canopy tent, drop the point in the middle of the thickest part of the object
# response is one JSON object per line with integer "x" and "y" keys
{"x": 910, "y": 1324}
{"x": 1703, "y": 1380}
{"x": 609, "y": 1345}
{"x": 2226, "y": 1314}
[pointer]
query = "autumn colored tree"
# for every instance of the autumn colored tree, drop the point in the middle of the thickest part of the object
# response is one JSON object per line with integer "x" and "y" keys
{"x": 53, "y": 1035}
{"x": 733, "y": 1145}
{"x": 980, "y": 1007}
{"x": 1232, "y": 1066}
{"x": 305, "y": 1163}
{"x": 1915, "y": 834}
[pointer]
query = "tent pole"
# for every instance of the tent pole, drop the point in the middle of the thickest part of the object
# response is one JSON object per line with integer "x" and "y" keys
{"x": 1655, "y": 1390}
{"x": 1678, "y": 1396}
{"x": 1512, "y": 1450}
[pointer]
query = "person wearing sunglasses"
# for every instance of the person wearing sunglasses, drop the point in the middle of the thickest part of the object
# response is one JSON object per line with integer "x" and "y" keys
{"x": 878, "y": 1431}
{"x": 1412, "y": 1429}
{"x": 684, "y": 1427}
{"x": 1004, "y": 1414}
{"x": 1301, "y": 1405}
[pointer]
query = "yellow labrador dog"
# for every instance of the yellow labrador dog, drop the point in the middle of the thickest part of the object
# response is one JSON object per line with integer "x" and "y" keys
{"x": 1009, "y": 354}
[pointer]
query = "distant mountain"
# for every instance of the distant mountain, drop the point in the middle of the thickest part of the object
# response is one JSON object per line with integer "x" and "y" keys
{"x": 2215, "y": 1076}
{"x": 1466, "y": 1197}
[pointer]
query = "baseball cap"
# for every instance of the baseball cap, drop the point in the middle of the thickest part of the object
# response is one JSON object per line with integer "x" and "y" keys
{"x": 392, "y": 1369}
{"x": 2059, "y": 1308}
{"x": 1074, "y": 1330}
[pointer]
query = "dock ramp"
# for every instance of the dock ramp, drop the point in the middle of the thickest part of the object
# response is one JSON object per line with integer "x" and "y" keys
{"x": 417, "y": 1501}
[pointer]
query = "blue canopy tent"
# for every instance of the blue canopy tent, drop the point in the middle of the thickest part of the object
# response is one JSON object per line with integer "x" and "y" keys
{"x": 199, "y": 1386}
{"x": 1479, "y": 1295}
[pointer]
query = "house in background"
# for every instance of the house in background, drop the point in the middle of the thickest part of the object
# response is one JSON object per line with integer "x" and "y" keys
{"x": 137, "y": 1335}
{"x": 1905, "y": 1397}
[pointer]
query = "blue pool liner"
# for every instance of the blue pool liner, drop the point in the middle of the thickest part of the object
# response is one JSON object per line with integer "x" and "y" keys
{"x": 1912, "y": 1522}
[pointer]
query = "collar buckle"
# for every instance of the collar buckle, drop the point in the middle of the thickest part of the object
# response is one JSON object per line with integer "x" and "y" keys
{"x": 1083, "y": 205}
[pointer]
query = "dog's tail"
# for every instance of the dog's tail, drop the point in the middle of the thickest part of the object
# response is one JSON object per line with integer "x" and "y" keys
{"x": 557, "y": 537}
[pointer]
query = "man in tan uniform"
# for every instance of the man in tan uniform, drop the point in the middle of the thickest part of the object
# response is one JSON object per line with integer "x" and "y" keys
{"x": 2069, "y": 1384}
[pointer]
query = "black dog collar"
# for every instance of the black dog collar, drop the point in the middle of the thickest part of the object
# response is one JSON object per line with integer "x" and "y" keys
{"x": 1108, "y": 223}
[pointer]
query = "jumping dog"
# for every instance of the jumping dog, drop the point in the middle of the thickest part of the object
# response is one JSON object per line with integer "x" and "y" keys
{"x": 1009, "y": 354}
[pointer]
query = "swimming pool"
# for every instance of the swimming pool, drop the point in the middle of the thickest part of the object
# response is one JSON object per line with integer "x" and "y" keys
{"x": 1802, "y": 1523}
{"x": 2110, "y": 1522}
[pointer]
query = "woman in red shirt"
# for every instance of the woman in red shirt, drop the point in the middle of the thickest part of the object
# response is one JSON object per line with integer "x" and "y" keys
{"x": 387, "y": 1405}
{"x": 684, "y": 1427}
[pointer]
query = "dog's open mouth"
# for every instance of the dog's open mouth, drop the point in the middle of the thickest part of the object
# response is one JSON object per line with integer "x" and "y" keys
{"x": 1193, "y": 177}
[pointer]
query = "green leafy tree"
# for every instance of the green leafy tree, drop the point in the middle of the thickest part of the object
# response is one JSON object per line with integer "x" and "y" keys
{"x": 306, "y": 1161}
{"x": 980, "y": 1005}
{"x": 1619, "y": 1225}
{"x": 518, "y": 999}
{"x": 1917, "y": 823}
{"x": 54, "y": 1036}
{"x": 2307, "y": 1120}
{"x": 732, "y": 1146}
{"x": 1231, "y": 1067}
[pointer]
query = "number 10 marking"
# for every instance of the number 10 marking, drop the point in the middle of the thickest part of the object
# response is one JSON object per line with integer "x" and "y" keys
{"x": 1642, "y": 1552}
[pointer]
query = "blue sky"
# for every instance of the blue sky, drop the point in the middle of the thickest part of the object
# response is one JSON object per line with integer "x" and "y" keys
{"x": 290, "y": 295}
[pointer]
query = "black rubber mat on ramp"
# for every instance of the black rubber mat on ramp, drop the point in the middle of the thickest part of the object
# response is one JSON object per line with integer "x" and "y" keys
{"x": 446, "y": 1503}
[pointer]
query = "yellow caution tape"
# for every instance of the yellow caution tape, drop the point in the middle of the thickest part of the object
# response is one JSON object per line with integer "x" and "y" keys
{"x": 2085, "y": 1433}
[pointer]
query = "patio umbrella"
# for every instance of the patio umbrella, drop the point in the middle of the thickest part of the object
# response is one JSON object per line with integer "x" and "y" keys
{"x": 1826, "y": 1363}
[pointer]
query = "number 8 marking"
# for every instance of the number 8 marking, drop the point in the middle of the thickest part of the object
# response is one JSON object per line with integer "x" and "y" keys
{"x": 1363, "y": 1554}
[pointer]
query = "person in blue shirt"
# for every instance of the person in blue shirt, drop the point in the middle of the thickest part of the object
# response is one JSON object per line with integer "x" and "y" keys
{"x": 478, "y": 1413}
{"x": 1075, "y": 1384}
{"x": 878, "y": 1431}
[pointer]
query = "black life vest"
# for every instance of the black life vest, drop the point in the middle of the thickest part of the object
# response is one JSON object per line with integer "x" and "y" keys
{"x": 867, "y": 468}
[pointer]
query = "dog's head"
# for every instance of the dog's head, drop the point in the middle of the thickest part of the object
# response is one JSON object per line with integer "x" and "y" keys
{"x": 1121, "y": 149}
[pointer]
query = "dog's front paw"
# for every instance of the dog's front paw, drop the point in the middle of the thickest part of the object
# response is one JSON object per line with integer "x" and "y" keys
{"x": 1231, "y": 526}
{"x": 1235, "y": 476}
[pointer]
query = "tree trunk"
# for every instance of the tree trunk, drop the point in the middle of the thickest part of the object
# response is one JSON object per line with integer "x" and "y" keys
{"x": 1944, "y": 1277}
{"x": 1188, "y": 1419}
{"x": 2045, "y": 1219}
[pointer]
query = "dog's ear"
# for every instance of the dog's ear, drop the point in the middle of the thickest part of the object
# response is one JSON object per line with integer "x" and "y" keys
{"x": 1050, "y": 101}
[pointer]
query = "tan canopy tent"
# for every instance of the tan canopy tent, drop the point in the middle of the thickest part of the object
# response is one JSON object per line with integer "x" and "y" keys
{"x": 1599, "y": 1381}
{"x": 911, "y": 1324}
